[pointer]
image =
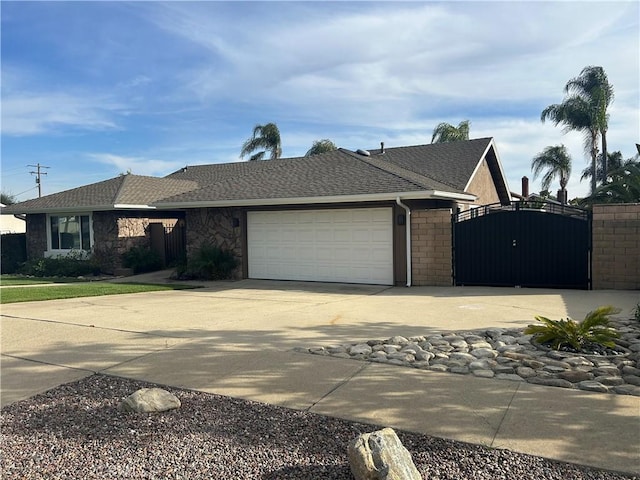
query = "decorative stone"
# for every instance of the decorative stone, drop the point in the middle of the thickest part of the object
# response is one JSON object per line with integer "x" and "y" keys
{"x": 575, "y": 376}
{"x": 592, "y": 386}
{"x": 606, "y": 371}
{"x": 627, "y": 390}
{"x": 398, "y": 340}
{"x": 484, "y": 353}
{"x": 535, "y": 364}
{"x": 483, "y": 364}
{"x": 632, "y": 379}
{"x": 361, "y": 348}
{"x": 380, "y": 455}
{"x": 609, "y": 381}
{"x": 550, "y": 382}
{"x": 553, "y": 369}
{"x": 629, "y": 370}
{"x": 148, "y": 400}
{"x": 459, "y": 370}
{"x": 462, "y": 356}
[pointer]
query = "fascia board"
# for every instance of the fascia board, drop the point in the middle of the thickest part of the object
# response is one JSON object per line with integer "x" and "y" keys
{"x": 126, "y": 206}
{"x": 419, "y": 195}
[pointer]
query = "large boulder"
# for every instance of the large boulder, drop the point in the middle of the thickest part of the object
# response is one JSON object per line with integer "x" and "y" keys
{"x": 148, "y": 400}
{"x": 380, "y": 455}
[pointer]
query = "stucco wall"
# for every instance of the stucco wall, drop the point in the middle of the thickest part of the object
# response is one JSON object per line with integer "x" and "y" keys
{"x": 431, "y": 247}
{"x": 483, "y": 187}
{"x": 616, "y": 247}
{"x": 216, "y": 226}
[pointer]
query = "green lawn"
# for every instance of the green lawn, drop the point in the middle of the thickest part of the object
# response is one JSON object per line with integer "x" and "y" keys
{"x": 74, "y": 290}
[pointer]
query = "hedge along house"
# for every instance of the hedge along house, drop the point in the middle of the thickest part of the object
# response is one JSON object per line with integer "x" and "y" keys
{"x": 379, "y": 216}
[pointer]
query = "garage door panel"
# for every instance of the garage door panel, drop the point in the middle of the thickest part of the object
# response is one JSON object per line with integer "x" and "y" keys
{"x": 340, "y": 245}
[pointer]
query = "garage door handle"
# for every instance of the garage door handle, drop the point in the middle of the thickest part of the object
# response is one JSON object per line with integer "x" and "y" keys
{"x": 514, "y": 243}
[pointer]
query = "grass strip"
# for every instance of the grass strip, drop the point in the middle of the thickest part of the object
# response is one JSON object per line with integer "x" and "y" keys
{"x": 11, "y": 280}
{"x": 76, "y": 290}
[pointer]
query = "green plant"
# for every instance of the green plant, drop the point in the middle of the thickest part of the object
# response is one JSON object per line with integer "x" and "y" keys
{"x": 141, "y": 259}
{"x": 595, "y": 328}
{"x": 74, "y": 264}
{"x": 209, "y": 262}
{"x": 636, "y": 312}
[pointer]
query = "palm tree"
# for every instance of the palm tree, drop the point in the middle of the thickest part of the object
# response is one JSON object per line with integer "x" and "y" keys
{"x": 573, "y": 112}
{"x": 321, "y": 146}
{"x": 614, "y": 161}
{"x": 265, "y": 138}
{"x": 624, "y": 186}
{"x": 593, "y": 85}
{"x": 584, "y": 109}
{"x": 556, "y": 163}
{"x": 445, "y": 132}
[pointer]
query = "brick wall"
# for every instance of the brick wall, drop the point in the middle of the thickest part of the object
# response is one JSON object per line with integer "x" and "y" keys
{"x": 431, "y": 247}
{"x": 616, "y": 247}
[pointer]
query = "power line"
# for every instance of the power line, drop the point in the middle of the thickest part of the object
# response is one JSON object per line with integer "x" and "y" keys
{"x": 38, "y": 174}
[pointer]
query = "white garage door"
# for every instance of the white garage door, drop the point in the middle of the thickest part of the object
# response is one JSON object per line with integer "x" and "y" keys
{"x": 350, "y": 245}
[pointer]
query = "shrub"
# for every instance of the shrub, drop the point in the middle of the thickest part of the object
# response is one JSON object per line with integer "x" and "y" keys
{"x": 209, "y": 262}
{"x": 142, "y": 259}
{"x": 636, "y": 312}
{"x": 594, "y": 329}
{"x": 75, "y": 264}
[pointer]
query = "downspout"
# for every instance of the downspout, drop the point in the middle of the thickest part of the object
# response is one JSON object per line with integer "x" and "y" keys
{"x": 408, "y": 238}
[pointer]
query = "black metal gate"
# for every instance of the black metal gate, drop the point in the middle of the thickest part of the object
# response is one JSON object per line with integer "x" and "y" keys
{"x": 527, "y": 244}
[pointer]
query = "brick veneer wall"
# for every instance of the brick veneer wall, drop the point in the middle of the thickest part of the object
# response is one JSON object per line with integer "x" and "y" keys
{"x": 431, "y": 247}
{"x": 616, "y": 247}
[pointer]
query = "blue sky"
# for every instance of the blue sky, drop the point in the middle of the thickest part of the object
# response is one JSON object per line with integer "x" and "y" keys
{"x": 94, "y": 89}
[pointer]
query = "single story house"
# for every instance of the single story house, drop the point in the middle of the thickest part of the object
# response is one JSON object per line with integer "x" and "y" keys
{"x": 380, "y": 216}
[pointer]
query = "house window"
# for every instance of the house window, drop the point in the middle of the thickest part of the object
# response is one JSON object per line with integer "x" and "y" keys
{"x": 70, "y": 232}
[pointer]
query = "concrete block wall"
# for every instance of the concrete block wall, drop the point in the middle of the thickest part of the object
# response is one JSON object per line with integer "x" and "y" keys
{"x": 616, "y": 247}
{"x": 431, "y": 243}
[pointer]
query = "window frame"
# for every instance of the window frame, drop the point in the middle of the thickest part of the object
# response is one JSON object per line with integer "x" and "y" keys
{"x": 64, "y": 251}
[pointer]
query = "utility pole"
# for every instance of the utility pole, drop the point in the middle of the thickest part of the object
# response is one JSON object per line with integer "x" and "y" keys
{"x": 38, "y": 173}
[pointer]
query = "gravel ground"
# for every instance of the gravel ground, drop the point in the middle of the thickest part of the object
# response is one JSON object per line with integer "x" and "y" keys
{"x": 76, "y": 431}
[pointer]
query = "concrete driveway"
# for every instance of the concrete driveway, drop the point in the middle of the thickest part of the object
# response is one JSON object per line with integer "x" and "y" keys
{"x": 237, "y": 339}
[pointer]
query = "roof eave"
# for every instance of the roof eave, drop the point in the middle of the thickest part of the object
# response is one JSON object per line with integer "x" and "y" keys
{"x": 82, "y": 209}
{"x": 376, "y": 197}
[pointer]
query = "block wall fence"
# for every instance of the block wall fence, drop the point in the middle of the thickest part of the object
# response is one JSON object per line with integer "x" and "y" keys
{"x": 615, "y": 247}
{"x": 431, "y": 244}
{"x": 615, "y": 259}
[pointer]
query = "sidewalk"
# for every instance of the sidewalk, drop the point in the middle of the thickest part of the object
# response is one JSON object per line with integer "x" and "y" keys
{"x": 238, "y": 339}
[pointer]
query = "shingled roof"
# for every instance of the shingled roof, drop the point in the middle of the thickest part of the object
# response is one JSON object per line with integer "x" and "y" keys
{"x": 124, "y": 191}
{"x": 423, "y": 171}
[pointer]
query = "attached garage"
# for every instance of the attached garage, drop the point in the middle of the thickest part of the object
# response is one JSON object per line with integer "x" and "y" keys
{"x": 333, "y": 245}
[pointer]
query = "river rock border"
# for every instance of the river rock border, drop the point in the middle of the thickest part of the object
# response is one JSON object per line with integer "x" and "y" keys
{"x": 506, "y": 354}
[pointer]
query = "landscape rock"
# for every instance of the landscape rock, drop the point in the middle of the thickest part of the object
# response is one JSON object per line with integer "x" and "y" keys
{"x": 148, "y": 400}
{"x": 592, "y": 386}
{"x": 505, "y": 354}
{"x": 380, "y": 455}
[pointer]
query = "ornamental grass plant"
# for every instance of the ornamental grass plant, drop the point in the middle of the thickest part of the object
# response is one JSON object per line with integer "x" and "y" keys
{"x": 594, "y": 329}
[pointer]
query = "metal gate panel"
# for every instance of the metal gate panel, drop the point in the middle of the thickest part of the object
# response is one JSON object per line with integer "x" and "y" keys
{"x": 516, "y": 245}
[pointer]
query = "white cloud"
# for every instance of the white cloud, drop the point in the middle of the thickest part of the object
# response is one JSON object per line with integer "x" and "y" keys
{"x": 36, "y": 113}
{"x": 136, "y": 165}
